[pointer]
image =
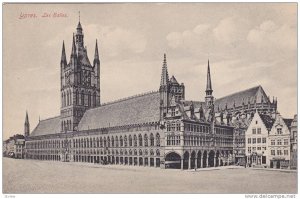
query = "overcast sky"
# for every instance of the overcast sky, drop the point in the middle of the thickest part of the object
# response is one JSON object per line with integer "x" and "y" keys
{"x": 248, "y": 44}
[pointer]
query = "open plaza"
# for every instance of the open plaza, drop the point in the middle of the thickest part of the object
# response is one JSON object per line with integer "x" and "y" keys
{"x": 35, "y": 176}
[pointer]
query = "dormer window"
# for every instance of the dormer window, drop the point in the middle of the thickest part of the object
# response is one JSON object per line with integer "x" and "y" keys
{"x": 279, "y": 131}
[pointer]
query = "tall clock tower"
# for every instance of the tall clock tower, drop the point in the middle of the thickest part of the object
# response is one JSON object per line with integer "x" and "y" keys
{"x": 80, "y": 82}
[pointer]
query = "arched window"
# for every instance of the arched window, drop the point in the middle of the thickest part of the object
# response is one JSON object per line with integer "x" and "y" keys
{"x": 94, "y": 99}
{"x": 108, "y": 142}
{"x": 68, "y": 98}
{"x": 117, "y": 141}
{"x": 140, "y": 140}
{"x": 157, "y": 152}
{"x": 125, "y": 141}
{"x": 151, "y": 152}
{"x": 121, "y": 141}
{"x": 140, "y": 152}
{"x": 135, "y": 140}
{"x": 89, "y": 99}
{"x": 130, "y": 140}
{"x": 157, "y": 139}
{"x": 151, "y": 140}
{"x": 101, "y": 142}
{"x": 82, "y": 97}
{"x": 104, "y": 142}
{"x": 77, "y": 98}
{"x": 62, "y": 126}
{"x": 112, "y": 142}
{"x": 146, "y": 140}
{"x": 97, "y": 141}
{"x": 62, "y": 99}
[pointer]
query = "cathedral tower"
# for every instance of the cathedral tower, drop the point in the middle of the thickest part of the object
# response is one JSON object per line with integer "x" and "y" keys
{"x": 80, "y": 82}
{"x": 26, "y": 126}
{"x": 164, "y": 89}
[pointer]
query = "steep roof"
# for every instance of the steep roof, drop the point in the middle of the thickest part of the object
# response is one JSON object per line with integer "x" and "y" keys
{"x": 173, "y": 80}
{"x": 134, "y": 110}
{"x": 250, "y": 95}
{"x": 267, "y": 120}
{"x": 47, "y": 126}
{"x": 288, "y": 122}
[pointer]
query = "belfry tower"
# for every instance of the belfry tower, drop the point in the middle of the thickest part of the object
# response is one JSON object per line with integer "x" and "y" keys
{"x": 80, "y": 82}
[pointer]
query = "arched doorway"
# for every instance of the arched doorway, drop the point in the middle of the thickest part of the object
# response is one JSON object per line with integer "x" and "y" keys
{"x": 217, "y": 159}
{"x": 211, "y": 157}
{"x": 173, "y": 161}
{"x": 186, "y": 160}
{"x": 204, "y": 159}
{"x": 193, "y": 158}
{"x": 199, "y": 159}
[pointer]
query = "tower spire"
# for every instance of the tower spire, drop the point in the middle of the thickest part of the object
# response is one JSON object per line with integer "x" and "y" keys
{"x": 73, "y": 53}
{"x": 208, "y": 83}
{"x": 26, "y": 125}
{"x": 96, "y": 56}
{"x": 164, "y": 74}
{"x": 63, "y": 54}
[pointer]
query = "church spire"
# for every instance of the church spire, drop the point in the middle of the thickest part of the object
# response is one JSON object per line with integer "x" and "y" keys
{"x": 96, "y": 56}
{"x": 26, "y": 125}
{"x": 73, "y": 52}
{"x": 208, "y": 83}
{"x": 63, "y": 55}
{"x": 164, "y": 74}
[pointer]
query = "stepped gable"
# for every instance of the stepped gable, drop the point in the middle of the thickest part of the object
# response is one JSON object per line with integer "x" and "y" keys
{"x": 47, "y": 126}
{"x": 133, "y": 110}
{"x": 252, "y": 94}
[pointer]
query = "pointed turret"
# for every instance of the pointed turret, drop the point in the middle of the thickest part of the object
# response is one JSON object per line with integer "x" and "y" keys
{"x": 26, "y": 126}
{"x": 208, "y": 83}
{"x": 164, "y": 74}
{"x": 63, "y": 55}
{"x": 208, "y": 98}
{"x": 164, "y": 89}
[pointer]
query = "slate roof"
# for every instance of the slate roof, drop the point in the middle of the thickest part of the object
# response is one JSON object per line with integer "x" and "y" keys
{"x": 47, "y": 126}
{"x": 243, "y": 96}
{"x": 288, "y": 122}
{"x": 135, "y": 110}
{"x": 267, "y": 120}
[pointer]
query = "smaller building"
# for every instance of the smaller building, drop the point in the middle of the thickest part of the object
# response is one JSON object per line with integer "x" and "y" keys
{"x": 279, "y": 143}
{"x": 14, "y": 147}
{"x": 294, "y": 141}
{"x": 256, "y": 140}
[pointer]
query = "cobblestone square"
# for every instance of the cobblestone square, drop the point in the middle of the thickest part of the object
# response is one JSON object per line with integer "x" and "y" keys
{"x": 32, "y": 176}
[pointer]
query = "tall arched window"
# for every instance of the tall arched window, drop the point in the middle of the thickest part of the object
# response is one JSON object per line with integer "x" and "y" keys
{"x": 94, "y": 99}
{"x": 82, "y": 97}
{"x": 157, "y": 139}
{"x": 117, "y": 141}
{"x": 125, "y": 141}
{"x": 62, "y": 99}
{"x": 135, "y": 140}
{"x": 77, "y": 98}
{"x": 121, "y": 141}
{"x": 140, "y": 140}
{"x": 130, "y": 140}
{"x": 112, "y": 142}
{"x": 68, "y": 98}
{"x": 101, "y": 142}
{"x": 151, "y": 140}
{"x": 89, "y": 99}
{"x": 104, "y": 142}
{"x": 108, "y": 142}
{"x": 146, "y": 139}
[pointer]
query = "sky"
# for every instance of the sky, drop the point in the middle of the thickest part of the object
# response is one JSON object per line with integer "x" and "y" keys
{"x": 247, "y": 44}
